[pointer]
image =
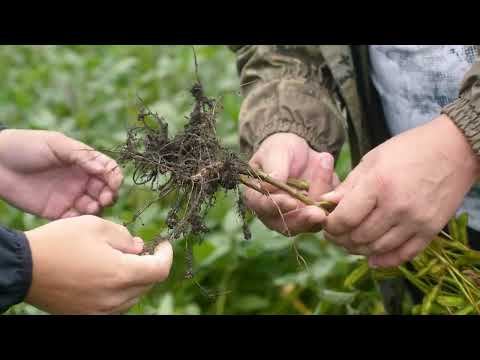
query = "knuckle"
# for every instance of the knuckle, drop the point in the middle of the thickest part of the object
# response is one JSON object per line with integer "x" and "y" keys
{"x": 122, "y": 276}
{"x": 379, "y": 247}
{"x": 110, "y": 304}
{"x": 407, "y": 254}
{"x": 401, "y": 208}
{"x": 383, "y": 183}
{"x": 124, "y": 231}
{"x": 346, "y": 223}
{"x": 359, "y": 236}
{"x": 57, "y": 136}
{"x": 93, "y": 221}
{"x": 425, "y": 221}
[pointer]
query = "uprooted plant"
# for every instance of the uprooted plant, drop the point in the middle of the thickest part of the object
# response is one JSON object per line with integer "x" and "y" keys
{"x": 194, "y": 166}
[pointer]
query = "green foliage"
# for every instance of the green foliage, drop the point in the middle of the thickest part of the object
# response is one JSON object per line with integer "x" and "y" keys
{"x": 91, "y": 93}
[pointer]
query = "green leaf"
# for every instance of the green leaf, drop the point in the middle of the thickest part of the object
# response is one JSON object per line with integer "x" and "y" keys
{"x": 251, "y": 303}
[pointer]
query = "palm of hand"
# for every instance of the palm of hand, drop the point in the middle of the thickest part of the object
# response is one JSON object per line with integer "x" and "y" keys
{"x": 57, "y": 177}
{"x": 56, "y": 192}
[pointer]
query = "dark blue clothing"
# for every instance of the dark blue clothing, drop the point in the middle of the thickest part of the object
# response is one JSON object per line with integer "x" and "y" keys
{"x": 15, "y": 268}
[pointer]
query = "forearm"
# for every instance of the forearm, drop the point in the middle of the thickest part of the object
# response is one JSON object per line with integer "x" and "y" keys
{"x": 285, "y": 90}
{"x": 15, "y": 268}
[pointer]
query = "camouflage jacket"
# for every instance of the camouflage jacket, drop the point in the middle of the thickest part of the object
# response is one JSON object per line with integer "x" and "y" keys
{"x": 324, "y": 94}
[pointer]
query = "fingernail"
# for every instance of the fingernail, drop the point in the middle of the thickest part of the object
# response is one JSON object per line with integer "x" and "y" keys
{"x": 328, "y": 195}
{"x": 326, "y": 162}
{"x": 162, "y": 246}
{"x": 372, "y": 263}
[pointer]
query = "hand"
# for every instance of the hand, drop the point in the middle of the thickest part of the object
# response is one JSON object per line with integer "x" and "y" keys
{"x": 50, "y": 175}
{"x": 282, "y": 156}
{"x": 403, "y": 193}
{"x": 86, "y": 265}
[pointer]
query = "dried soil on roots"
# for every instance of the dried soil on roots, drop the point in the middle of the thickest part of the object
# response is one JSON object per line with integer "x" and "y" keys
{"x": 192, "y": 164}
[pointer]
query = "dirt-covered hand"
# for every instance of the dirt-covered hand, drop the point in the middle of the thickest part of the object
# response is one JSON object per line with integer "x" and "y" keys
{"x": 87, "y": 265}
{"x": 283, "y": 156}
{"x": 403, "y": 193}
{"x": 53, "y": 176}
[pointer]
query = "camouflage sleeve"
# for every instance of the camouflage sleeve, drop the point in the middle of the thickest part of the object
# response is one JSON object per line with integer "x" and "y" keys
{"x": 465, "y": 111}
{"x": 286, "y": 89}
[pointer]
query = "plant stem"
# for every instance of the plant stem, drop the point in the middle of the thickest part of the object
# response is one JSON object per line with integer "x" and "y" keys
{"x": 246, "y": 179}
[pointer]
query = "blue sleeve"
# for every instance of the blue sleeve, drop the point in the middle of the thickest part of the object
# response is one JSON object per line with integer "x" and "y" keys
{"x": 15, "y": 268}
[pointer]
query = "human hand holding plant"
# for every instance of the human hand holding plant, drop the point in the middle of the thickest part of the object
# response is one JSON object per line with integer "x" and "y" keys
{"x": 284, "y": 156}
{"x": 54, "y": 176}
{"x": 394, "y": 203}
{"x": 87, "y": 265}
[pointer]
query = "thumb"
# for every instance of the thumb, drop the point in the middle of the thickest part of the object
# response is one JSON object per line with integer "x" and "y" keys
{"x": 150, "y": 269}
{"x": 120, "y": 239}
{"x": 70, "y": 151}
{"x": 339, "y": 192}
{"x": 275, "y": 163}
{"x": 322, "y": 174}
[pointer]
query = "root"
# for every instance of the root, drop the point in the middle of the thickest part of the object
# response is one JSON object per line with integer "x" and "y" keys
{"x": 193, "y": 166}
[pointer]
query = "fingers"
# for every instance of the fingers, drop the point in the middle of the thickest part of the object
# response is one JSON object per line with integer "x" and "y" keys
{"x": 356, "y": 204}
{"x": 106, "y": 197}
{"x": 105, "y": 171}
{"x": 106, "y": 168}
{"x": 400, "y": 255}
{"x": 113, "y": 175}
{"x": 320, "y": 172}
{"x": 266, "y": 207}
{"x": 393, "y": 239}
{"x": 309, "y": 219}
{"x": 87, "y": 205}
{"x": 70, "y": 213}
{"x": 104, "y": 190}
{"x": 93, "y": 162}
{"x": 94, "y": 187}
{"x": 150, "y": 269}
{"x": 342, "y": 188}
{"x": 375, "y": 225}
{"x": 274, "y": 163}
{"x": 121, "y": 240}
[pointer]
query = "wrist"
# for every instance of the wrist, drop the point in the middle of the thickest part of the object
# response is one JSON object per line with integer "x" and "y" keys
{"x": 285, "y": 138}
{"x": 457, "y": 145}
{"x": 30, "y": 237}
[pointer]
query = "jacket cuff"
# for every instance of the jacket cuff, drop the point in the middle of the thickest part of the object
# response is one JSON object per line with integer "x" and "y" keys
{"x": 290, "y": 105}
{"x": 467, "y": 119}
{"x": 15, "y": 268}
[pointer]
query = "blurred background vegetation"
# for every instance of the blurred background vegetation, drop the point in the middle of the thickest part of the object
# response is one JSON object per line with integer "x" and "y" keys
{"x": 91, "y": 93}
